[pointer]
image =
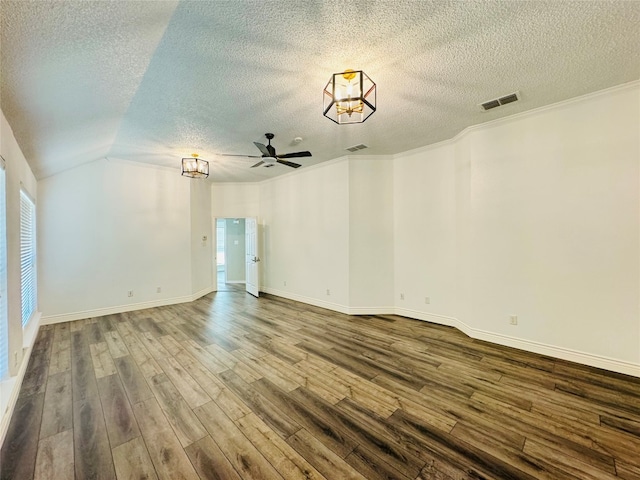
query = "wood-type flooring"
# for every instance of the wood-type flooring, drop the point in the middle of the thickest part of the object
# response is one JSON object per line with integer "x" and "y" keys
{"x": 234, "y": 387}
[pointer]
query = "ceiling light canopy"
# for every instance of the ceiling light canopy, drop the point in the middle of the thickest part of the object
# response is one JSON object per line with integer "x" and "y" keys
{"x": 349, "y": 97}
{"x": 195, "y": 167}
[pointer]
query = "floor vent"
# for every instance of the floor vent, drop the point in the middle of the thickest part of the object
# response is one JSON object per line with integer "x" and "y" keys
{"x": 355, "y": 148}
{"x": 500, "y": 101}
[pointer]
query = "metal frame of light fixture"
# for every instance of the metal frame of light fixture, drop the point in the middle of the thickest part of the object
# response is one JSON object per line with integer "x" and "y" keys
{"x": 349, "y": 97}
{"x": 195, "y": 167}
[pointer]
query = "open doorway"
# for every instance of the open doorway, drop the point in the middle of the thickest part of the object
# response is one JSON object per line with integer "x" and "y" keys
{"x": 230, "y": 254}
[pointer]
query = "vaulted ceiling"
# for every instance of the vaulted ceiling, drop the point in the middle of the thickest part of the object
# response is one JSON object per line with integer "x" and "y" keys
{"x": 154, "y": 81}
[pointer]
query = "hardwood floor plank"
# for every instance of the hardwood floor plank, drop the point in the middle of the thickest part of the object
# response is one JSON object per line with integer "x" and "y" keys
{"x": 509, "y": 454}
{"x": 222, "y": 355}
{"x": 18, "y": 454}
{"x": 145, "y": 361}
{"x": 58, "y": 416}
{"x": 626, "y": 471}
{"x": 193, "y": 393}
{"x": 132, "y": 461}
{"x": 318, "y": 423}
{"x": 193, "y": 367}
{"x": 133, "y": 380}
{"x": 210, "y": 462}
{"x": 322, "y": 458}
{"x": 94, "y": 333}
{"x": 35, "y": 378}
{"x": 82, "y": 374}
{"x": 117, "y": 347}
{"x": 153, "y": 345}
{"x": 231, "y": 386}
{"x": 279, "y": 453}
{"x": 570, "y": 465}
{"x": 284, "y": 351}
{"x": 92, "y": 454}
{"x": 166, "y": 453}
{"x": 266, "y": 371}
{"x": 60, "y": 350}
{"x": 258, "y": 404}
{"x": 119, "y": 419}
{"x": 149, "y": 325}
{"x": 55, "y": 457}
{"x": 170, "y": 344}
{"x": 618, "y": 400}
{"x": 367, "y": 431}
{"x": 622, "y": 423}
{"x": 103, "y": 365}
{"x": 431, "y": 444}
{"x": 247, "y": 373}
{"x": 184, "y": 422}
{"x": 577, "y": 441}
{"x": 204, "y": 357}
{"x": 363, "y": 460}
{"x": 244, "y": 457}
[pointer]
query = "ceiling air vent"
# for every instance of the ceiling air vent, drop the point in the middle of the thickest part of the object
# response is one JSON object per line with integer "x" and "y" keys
{"x": 500, "y": 101}
{"x": 355, "y": 148}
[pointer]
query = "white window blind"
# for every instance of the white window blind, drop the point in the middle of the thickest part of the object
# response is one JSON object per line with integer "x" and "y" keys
{"x": 28, "y": 280}
{"x": 4, "y": 336}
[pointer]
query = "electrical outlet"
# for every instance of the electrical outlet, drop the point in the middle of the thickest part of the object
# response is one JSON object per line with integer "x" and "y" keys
{"x": 159, "y": 290}
{"x": 427, "y": 300}
{"x": 513, "y": 319}
{"x": 402, "y": 296}
{"x": 285, "y": 283}
{"x": 130, "y": 293}
{"x": 328, "y": 292}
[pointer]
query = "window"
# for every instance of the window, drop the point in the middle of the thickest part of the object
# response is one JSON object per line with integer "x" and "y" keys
{"x": 4, "y": 337}
{"x": 27, "y": 256}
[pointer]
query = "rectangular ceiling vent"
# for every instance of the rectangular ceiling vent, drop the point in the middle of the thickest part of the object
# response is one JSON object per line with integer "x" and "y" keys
{"x": 355, "y": 148}
{"x": 498, "y": 102}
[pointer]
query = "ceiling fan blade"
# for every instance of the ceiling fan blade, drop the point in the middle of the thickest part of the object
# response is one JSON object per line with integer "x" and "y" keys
{"x": 257, "y": 164}
{"x": 263, "y": 149}
{"x": 295, "y": 155}
{"x": 289, "y": 164}
{"x": 232, "y": 155}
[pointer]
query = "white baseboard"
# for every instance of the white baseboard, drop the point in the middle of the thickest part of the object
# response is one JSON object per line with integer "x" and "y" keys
{"x": 598, "y": 361}
{"x": 612, "y": 364}
{"x": 371, "y": 310}
{"x": 99, "y": 312}
{"x": 431, "y": 317}
{"x": 308, "y": 300}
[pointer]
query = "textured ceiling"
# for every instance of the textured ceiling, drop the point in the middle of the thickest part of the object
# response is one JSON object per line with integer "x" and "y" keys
{"x": 155, "y": 81}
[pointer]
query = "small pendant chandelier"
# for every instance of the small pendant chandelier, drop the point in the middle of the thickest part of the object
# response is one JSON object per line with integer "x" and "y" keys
{"x": 349, "y": 97}
{"x": 195, "y": 167}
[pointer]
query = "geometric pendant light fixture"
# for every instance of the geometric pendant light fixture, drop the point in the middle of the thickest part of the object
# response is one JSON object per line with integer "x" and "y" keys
{"x": 195, "y": 167}
{"x": 349, "y": 97}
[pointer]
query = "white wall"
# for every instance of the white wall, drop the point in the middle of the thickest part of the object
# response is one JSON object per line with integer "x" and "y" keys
{"x": 18, "y": 175}
{"x": 371, "y": 234}
{"x": 305, "y": 219}
{"x": 202, "y": 255}
{"x": 425, "y": 232}
{"x": 109, "y": 227}
{"x": 235, "y": 200}
{"x": 535, "y": 216}
{"x": 554, "y": 231}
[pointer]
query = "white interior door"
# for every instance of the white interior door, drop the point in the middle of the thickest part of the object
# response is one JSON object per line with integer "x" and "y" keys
{"x": 252, "y": 259}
